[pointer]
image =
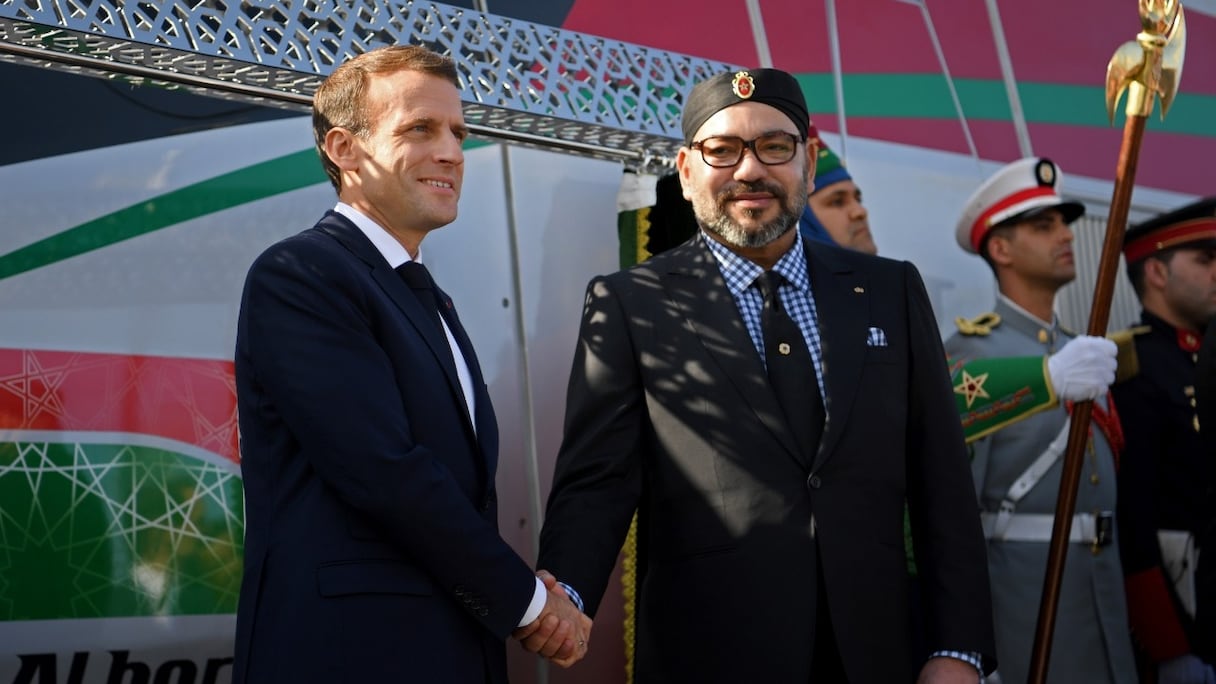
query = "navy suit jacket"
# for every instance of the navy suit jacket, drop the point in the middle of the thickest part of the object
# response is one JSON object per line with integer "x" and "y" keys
{"x": 371, "y": 552}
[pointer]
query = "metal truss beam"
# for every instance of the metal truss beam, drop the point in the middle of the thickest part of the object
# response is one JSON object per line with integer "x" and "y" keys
{"x": 522, "y": 82}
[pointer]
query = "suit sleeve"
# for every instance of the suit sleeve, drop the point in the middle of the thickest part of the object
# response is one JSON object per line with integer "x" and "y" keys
{"x": 598, "y": 476}
{"x": 318, "y": 357}
{"x": 941, "y": 499}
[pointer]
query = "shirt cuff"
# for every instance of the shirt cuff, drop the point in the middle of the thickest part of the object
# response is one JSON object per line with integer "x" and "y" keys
{"x": 537, "y": 605}
{"x": 578, "y": 600}
{"x": 974, "y": 659}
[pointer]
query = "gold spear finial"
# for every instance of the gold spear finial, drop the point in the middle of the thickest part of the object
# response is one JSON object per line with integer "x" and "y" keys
{"x": 1151, "y": 65}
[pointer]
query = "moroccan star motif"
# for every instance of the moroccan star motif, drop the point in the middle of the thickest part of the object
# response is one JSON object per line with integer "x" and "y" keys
{"x": 972, "y": 387}
{"x": 38, "y": 386}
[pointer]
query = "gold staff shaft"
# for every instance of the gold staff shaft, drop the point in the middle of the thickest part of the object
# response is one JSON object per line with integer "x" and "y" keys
{"x": 1149, "y": 67}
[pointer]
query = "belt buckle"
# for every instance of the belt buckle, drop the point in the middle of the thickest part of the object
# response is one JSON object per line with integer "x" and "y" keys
{"x": 1104, "y": 530}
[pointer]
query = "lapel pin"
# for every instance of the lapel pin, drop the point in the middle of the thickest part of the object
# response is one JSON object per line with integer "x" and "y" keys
{"x": 859, "y": 289}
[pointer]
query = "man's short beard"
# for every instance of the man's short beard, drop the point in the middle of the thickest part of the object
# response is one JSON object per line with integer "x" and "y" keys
{"x": 712, "y": 214}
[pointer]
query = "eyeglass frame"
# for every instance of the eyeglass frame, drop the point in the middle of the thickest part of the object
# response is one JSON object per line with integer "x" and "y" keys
{"x": 747, "y": 145}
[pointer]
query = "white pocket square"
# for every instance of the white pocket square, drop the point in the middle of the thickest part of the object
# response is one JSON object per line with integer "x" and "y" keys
{"x": 876, "y": 338}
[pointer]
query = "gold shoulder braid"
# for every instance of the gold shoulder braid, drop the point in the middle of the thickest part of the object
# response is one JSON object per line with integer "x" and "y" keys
{"x": 1128, "y": 364}
{"x": 980, "y": 325}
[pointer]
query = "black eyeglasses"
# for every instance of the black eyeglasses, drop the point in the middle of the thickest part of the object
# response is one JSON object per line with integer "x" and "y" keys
{"x": 725, "y": 151}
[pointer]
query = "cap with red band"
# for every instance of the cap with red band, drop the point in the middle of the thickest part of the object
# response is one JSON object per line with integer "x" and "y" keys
{"x": 1020, "y": 188}
{"x": 1190, "y": 226}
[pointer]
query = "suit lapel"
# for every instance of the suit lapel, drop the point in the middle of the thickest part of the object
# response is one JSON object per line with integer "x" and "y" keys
{"x": 695, "y": 286}
{"x": 345, "y": 232}
{"x": 487, "y": 426}
{"x": 842, "y": 309}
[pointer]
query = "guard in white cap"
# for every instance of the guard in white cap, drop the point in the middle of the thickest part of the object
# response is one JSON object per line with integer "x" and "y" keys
{"x": 1016, "y": 372}
{"x": 1018, "y": 191}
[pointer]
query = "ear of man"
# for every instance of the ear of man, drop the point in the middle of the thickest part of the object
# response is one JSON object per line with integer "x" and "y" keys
{"x": 812, "y": 155}
{"x": 1156, "y": 272}
{"x": 341, "y": 148}
{"x": 999, "y": 249}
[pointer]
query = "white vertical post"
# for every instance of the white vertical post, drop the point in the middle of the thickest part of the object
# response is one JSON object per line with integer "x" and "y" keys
{"x": 837, "y": 79}
{"x": 941, "y": 60}
{"x": 758, "y": 33}
{"x": 1011, "y": 86}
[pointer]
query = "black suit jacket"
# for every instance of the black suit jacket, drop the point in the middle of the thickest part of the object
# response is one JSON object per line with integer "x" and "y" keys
{"x": 371, "y": 550}
{"x": 669, "y": 411}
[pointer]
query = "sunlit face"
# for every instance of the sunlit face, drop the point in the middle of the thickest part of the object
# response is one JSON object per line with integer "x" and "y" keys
{"x": 838, "y": 207}
{"x": 750, "y": 204}
{"x": 1037, "y": 251}
{"x": 406, "y": 172}
{"x": 1190, "y": 286}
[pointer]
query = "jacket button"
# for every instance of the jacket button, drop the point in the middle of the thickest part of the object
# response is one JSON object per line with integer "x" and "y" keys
{"x": 814, "y": 482}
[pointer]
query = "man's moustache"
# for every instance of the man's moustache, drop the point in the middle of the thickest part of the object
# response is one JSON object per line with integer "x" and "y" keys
{"x": 733, "y": 191}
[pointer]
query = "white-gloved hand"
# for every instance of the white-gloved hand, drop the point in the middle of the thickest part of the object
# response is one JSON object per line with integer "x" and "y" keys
{"x": 1083, "y": 368}
{"x": 1185, "y": 669}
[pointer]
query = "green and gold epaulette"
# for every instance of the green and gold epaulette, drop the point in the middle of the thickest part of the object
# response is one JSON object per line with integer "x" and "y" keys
{"x": 980, "y": 325}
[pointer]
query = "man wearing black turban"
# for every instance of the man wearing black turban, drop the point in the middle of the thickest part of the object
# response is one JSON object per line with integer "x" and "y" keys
{"x": 767, "y": 406}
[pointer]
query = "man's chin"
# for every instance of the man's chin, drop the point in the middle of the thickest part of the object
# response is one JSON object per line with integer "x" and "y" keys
{"x": 753, "y": 236}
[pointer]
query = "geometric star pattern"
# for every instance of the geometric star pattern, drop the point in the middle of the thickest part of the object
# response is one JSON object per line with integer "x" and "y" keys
{"x": 113, "y": 530}
{"x": 188, "y": 400}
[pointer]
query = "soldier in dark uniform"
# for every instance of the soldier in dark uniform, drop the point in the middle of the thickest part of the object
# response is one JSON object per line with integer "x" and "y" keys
{"x": 1167, "y": 481}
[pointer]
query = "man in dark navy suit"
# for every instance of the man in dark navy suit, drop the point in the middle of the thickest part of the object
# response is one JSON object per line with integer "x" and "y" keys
{"x": 768, "y": 406}
{"x": 368, "y": 441}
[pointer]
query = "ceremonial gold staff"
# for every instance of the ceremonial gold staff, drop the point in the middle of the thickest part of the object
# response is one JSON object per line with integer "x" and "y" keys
{"x": 1148, "y": 67}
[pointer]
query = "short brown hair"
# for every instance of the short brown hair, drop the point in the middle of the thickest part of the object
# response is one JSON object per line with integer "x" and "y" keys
{"x": 341, "y": 100}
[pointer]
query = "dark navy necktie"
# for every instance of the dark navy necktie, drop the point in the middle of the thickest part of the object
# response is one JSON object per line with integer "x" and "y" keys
{"x": 439, "y": 308}
{"x": 791, "y": 371}
{"x": 423, "y": 286}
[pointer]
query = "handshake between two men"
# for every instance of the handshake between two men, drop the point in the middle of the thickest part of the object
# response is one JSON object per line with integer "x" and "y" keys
{"x": 561, "y": 632}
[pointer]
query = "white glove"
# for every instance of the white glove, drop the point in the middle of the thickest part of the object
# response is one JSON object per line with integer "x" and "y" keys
{"x": 1083, "y": 368}
{"x": 1185, "y": 669}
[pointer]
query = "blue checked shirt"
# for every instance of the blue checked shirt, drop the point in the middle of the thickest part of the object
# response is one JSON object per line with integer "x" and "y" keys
{"x": 795, "y": 293}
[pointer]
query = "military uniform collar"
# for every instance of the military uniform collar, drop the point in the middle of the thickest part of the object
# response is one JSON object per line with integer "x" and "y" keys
{"x": 1027, "y": 323}
{"x": 1187, "y": 340}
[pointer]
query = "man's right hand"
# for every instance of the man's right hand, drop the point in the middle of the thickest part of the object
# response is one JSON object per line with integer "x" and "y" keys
{"x": 1083, "y": 368}
{"x": 562, "y": 632}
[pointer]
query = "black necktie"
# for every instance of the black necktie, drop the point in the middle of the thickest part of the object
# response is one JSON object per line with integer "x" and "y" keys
{"x": 437, "y": 304}
{"x": 791, "y": 372}
{"x": 423, "y": 286}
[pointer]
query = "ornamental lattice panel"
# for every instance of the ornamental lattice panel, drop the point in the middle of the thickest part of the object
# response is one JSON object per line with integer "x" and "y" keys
{"x": 522, "y": 82}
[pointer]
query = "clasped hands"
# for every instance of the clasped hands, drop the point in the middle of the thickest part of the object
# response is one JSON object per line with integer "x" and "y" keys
{"x": 561, "y": 632}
